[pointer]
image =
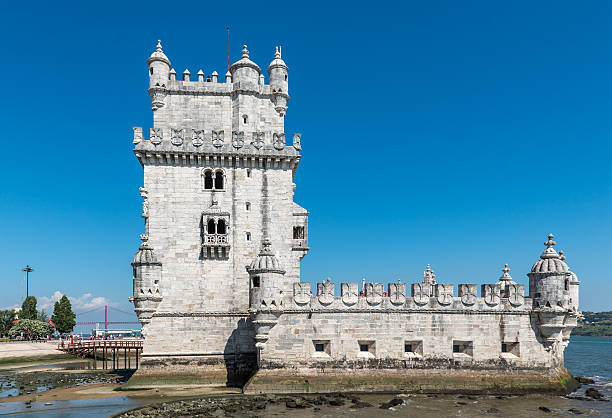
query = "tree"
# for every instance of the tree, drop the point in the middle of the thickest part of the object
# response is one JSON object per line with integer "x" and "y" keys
{"x": 63, "y": 317}
{"x": 31, "y": 327}
{"x": 28, "y": 309}
{"x": 42, "y": 316}
{"x": 6, "y": 320}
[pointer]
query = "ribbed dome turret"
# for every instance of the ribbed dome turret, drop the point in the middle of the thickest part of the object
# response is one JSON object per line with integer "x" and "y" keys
{"x": 266, "y": 261}
{"x": 550, "y": 261}
{"x": 244, "y": 62}
{"x": 277, "y": 61}
{"x": 145, "y": 255}
{"x": 158, "y": 55}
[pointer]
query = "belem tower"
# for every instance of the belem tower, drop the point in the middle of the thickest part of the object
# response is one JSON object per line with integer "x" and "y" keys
{"x": 217, "y": 278}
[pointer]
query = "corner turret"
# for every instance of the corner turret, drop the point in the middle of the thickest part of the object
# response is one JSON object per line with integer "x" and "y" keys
{"x": 159, "y": 67}
{"x": 147, "y": 277}
{"x": 278, "y": 74}
{"x": 245, "y": 73}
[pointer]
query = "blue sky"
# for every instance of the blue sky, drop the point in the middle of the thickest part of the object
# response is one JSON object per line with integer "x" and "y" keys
{"x": 453, "y": 133}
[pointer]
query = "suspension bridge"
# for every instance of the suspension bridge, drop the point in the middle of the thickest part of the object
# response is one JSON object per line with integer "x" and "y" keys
{"x": 106, "y": 321}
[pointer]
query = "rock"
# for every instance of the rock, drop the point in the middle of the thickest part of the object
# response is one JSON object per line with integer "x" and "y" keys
{"x": 363, "y": 405}
{"x": 461, "y": 403}
{"x": 584, "y": 380}
{"x": 493, "y": 411}
{"x": 544, "y": 409}
{"x": 575, "y": 411}
{"x": 396, "y": 402}
{"x": 336, "y": 402}
{"x": 593, "y": 393}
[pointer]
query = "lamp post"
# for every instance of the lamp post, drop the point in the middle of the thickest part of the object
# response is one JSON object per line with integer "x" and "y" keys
{"x": 28, "y": 270}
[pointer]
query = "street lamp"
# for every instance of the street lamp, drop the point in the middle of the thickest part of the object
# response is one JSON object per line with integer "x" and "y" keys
{"x": 28, "y": 270}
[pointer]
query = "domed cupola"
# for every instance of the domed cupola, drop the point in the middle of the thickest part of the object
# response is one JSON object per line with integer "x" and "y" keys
{"x": 266, "y": 261}
{"x": 245, "y": 72}
{"x": 158, "y": 55}
{"x": 550, "y": 261}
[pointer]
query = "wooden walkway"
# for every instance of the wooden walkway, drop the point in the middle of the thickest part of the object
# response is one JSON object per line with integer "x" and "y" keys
{"x": 107, "y": 351}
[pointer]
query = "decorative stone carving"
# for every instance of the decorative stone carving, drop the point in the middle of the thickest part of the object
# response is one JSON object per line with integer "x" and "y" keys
{"x": 258, "y": 139}
{"x": 138, "y": 138}
{"x": 297, "y": 144}
{"x": 325, "y": 292}
{"x": 177, "y": 136}
{"x": 218, "y": 138}
{"x": 301, "y": 293}
{"x": 157, "y": 97}
{"x": 350, "y": 293}
{"x": 468, "y": 293}
{"x": 198, "y": 138}
{"x": 516, "y": 294}
{"x": 397, "y": 293}
{"x": 238, "y": 139}
{"x": 421, "y": 292}
{"x": 374, "y": 293}
{"x": 491, "y": 294}
{"x": 145, "y": 204}
{"x": 444, "y": 293}
{"x": 278, "y": 140}
{"x": 156, "y": 135}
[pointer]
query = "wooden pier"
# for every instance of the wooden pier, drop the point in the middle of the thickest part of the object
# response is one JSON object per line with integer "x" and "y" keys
{"x": 107, "y": 351}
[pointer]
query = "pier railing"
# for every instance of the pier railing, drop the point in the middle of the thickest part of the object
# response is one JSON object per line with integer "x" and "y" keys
{"x": 106, "y": 351}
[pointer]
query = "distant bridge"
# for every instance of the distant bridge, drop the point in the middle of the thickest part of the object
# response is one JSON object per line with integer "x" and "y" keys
{"x": 106, "y": 322}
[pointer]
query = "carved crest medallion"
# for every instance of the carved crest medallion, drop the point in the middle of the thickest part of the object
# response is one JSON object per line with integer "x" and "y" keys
{"x": 301, "y": 293}
{"x": 491, "y": 294}
{"x": 198, "y": 138}
{"x": 421, "y": 292}
{"x": 258, "y": 139}
{"x": 374, "y": 293}
{"x": 278, "y": 141}
{"x": 468, "y": 294}
{"x": 397, "y": 293}
{"x": 137, "y": 135}
{"x": 297, "y": 141}
{"x": 325, "y": 292}
{"x": 238, "y": 139}
{"x": 218, "y": 138}
{"x": 516, "y": 294}
{"x": 177, "y": 137}
{"x": 444, "y": 293}
{"x": 156, "y": 136}
{"x": 350, "y": 293}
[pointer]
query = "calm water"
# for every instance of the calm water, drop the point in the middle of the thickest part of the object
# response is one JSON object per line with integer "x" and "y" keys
{"x": 585, "y": 356}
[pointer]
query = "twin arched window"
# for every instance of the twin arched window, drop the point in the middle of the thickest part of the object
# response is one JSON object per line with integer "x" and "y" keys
{"x": 218, "y": 227}
{"x": 213, "y": 180}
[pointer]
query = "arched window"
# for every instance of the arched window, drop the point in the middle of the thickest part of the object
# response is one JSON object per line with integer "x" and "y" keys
{"x": 208, "y": 180}
{"x": 219, "y": 180}
{"x": 245, "y": 118}
{"x": 221, "y": 227}
{"x": 248, "y": 206}
{"x": 211, "y": 227}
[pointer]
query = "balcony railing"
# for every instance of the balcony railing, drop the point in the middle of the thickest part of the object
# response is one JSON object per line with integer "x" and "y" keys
{"x": 216, "y": 239}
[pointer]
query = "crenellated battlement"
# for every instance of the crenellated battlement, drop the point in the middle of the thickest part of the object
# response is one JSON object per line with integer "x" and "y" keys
{"x": 422, "y": 297}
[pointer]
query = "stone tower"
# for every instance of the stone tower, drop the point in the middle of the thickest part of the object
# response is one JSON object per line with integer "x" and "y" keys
{"x": 218, "y": 178}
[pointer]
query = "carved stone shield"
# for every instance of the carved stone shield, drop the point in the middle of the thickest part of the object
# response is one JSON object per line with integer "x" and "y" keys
{"x": 397, "y": 293}
{"x": 156, "y": 136}
{"x": 468, "y": 294}
{"x": 350, "y": 293}
{"x": 516, "y": 294}
{"x": 301, "y": 293}
{"x": 444, "y": 293}
{"x": 325, "y": 292}
{"x": 421, "y": 292}
{"x": 491, "y": 294}
{"x": 238, "y": 139}
{"x": 258, "y": 139}
{"x": 374, "y": 293}
{"x": 297, "y": 141}
{"x": 218, "y": 138}
{"x": 198, "y": 138}
{"x": 137, "y": 135}
{"x": 177, "y": 137}
{"x": 278, "y": 141}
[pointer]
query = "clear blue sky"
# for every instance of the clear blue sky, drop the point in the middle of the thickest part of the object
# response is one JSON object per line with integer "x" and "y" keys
{"x": 453, "y": 133}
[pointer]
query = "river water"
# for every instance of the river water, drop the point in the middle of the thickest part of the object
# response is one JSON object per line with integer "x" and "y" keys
{"x": 585, "y": 356}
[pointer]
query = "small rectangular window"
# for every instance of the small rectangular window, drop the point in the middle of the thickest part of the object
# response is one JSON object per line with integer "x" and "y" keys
{"x": 364, "y": 348}
{"x": 463, "y": 349}
{"x": 510, "y": 349}
{"x": 255, "y": 281}
{"x": 504, "y": 348}
{"x": 319, "y": 347}
{"x": 456, "y": 348}
{"x": 248, "y": 206}
{"x": 248, "y": 236}
{"x": 298, "y": 232}
{"x": 408, "y": 348}
{"x": 413, "y": 348}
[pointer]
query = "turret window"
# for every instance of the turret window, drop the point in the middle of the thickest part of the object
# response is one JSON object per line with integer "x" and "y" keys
{"x": 245, "y": 119}
{"x": 151, "y": 69}
{"x": 248, "y": 206}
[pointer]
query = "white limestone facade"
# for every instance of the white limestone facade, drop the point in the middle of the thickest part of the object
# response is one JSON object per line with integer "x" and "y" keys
{"x": 217, "y": 278}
